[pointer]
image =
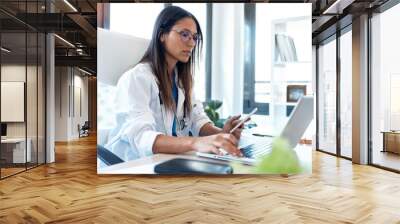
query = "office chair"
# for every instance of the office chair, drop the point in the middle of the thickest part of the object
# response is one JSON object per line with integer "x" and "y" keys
{"x": 107, "y": 157}
{"x": 84, "y": 130}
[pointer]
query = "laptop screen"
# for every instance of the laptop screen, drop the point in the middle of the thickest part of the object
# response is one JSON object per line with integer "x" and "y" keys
{"x": 299, "y": 120}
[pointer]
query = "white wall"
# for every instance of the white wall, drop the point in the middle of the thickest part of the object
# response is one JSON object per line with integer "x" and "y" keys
{"x": 79, "y": 117}
{"x": 61, "y": 103}
{"x": 33, "y": 127}
{"x": 67, "y": 114}
{"x": 12, "y": 73}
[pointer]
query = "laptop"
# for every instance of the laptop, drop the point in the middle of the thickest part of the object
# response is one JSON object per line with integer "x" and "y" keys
{"x": 254, "y": 147}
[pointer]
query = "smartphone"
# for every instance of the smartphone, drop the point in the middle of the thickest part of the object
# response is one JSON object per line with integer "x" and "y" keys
{"x": 189, "y": 166}
{"x": 244, "y": 120}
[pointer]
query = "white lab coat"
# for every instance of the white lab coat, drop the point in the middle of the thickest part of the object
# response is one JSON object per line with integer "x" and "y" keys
{"x": 141, "y": 117}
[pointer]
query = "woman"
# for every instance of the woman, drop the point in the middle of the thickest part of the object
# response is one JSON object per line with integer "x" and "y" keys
{"x": 161, "y": 112}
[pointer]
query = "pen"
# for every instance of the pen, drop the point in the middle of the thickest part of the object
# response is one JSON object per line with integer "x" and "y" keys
{"x": 261, "y": 135}
{"x": 244, "y": 120}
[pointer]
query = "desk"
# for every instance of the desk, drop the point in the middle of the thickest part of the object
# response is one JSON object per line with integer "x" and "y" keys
{"x": 391, "y": 141}
{"x": 146, "y": 165}
{"x": 16, "y": 148}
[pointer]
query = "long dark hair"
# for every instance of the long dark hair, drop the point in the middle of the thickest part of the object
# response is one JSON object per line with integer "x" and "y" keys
{"x": 155, "y": 55}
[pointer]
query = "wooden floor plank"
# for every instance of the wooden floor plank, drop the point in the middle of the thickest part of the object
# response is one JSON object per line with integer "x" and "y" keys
{"x": 70, "y": 191}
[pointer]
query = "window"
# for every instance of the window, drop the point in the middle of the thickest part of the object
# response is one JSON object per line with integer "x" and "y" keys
{"x": 124, "y": 18}
{"x": 346, "y": 94}
{"x": 327, "y": 96}
{"x": 385, "y": 88}
{"x": 22, "y": 65}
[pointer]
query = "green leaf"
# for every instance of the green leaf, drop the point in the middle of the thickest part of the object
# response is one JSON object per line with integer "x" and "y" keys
{"x": 210, "y": 109}
{"x": 218, "y": 104}
{"x": 214, "y": 104}
{"x": 281, "y": 160}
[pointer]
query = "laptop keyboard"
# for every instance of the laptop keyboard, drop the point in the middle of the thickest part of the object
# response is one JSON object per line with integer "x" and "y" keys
{"x": 257, "y": 149}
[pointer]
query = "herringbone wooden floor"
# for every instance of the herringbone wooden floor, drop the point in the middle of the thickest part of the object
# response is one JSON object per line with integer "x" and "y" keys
{"x": 70, "y": 191}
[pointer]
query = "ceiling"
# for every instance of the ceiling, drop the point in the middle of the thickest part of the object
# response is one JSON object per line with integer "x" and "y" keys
{"x": 332, "y": 15}
{"x": 76, "y": 22}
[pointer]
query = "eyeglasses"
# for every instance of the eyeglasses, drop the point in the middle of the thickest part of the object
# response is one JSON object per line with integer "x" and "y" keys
{"x": 187, "y": 35}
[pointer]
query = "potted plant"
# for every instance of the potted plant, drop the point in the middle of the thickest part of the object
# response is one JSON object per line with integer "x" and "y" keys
{"x": 211, "y": 107}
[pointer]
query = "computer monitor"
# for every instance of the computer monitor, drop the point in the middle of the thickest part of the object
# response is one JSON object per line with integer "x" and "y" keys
{"x": 3, "y": 129}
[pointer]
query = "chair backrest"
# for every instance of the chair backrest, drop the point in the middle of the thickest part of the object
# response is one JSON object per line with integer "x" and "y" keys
{"x": 116, "y": 53}
{"x": 86, "y": 125}
{"x": 107, "y": 157}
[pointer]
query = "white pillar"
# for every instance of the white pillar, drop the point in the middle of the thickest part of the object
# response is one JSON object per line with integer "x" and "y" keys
{"x": 50, "y": 99}
{"x": 360, "y": 90}
{"x": 227, "y": 57}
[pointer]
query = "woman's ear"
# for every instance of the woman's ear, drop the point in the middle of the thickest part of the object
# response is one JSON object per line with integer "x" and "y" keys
{"x": 162, "y": 37}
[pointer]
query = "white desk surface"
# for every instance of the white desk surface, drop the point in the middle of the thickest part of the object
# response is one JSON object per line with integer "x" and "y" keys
{"x": 13, "y": 140}
{"x": 146, "y": 165}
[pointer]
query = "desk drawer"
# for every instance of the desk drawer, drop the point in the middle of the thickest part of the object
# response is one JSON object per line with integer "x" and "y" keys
{"x": 392, "y": 142}
{"x": 15, "y": 152}
{"x": 6, "y": 154}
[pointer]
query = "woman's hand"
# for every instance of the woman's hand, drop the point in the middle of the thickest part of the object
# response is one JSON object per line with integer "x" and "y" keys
{"x": 213, "y": 143}
{"x": 231, "y": 123}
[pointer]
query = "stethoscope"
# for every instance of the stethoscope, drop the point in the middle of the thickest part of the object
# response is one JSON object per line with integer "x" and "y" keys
{"x": 181, "y": 123}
